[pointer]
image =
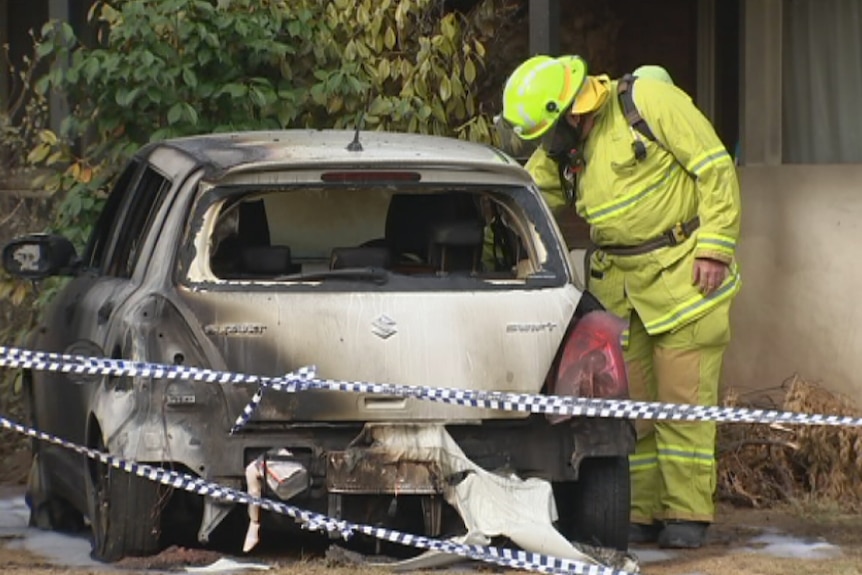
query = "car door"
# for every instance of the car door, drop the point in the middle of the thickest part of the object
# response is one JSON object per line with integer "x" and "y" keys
{"x": 80, "y": 319}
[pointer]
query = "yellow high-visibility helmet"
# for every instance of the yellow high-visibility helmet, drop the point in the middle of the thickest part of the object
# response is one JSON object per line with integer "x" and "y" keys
{"x": 539, "y": 91}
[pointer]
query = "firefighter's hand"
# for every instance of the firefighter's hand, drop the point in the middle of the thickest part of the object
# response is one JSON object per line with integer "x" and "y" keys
{"x": 708, "y": 274}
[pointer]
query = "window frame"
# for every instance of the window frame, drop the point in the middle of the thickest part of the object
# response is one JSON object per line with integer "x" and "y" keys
{"x": 136, "y": 215}
{"x": 101, "y": 237}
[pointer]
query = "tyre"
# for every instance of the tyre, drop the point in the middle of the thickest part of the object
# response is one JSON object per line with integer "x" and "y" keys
{"x": 125, "y": 512}
{"x": 595, "y": 508}
{"x": 47, "y": 510}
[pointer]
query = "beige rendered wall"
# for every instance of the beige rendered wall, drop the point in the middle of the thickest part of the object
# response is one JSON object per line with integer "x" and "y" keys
{"x": 800, "y": 308}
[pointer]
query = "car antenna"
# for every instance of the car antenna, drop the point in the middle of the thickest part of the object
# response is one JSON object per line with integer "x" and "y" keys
{"x": 356, "y": 145}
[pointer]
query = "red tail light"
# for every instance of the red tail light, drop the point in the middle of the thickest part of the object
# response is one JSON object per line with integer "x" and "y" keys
{"x": 592, "y": 362}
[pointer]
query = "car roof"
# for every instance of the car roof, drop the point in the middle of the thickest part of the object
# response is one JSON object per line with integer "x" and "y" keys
{"x": 233, "y": 151}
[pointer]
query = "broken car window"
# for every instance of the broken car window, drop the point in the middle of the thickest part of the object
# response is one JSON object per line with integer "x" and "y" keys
{"x": 303, "y": 234}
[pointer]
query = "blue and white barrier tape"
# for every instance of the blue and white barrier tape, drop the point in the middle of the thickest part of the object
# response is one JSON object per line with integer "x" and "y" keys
{"x": 297, "y": 379}
{"x": 511, "y": 558}
{"x": 303, "y": 379}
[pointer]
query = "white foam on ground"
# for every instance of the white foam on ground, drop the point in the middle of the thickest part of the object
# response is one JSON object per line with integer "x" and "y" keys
{"x": 648, "y": 555}
{"x": 74, "y": 550}
{"x": 781, "y": 545}
{"x": 56, "y": 548}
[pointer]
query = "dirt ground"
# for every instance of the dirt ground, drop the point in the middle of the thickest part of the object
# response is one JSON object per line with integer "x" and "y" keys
{"x": 723, "y": 554}
{"x": 729, "y": 550}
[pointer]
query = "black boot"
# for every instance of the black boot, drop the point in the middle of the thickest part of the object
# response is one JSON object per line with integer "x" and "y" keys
{"x": 683, "y": 535}
{"x": 644, "y": 532}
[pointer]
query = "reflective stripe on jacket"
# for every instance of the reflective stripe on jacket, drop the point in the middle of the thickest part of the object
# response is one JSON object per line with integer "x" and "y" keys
{"x": 627, "y": 202}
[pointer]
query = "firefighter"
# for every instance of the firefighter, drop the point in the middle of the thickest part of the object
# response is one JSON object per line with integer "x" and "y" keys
{"x": 662, "y": 203}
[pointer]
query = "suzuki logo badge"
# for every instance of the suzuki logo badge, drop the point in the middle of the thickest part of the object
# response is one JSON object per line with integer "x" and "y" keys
{"x": 384, "y": 327}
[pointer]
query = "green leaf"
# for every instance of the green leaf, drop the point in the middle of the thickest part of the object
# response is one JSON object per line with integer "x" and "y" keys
{"x": 445, "y": 89}
{"x": 357, "y": 86}
{"x": 206, "y": 89}
{"x": 125, "y": 97}
{"x": 67, "y": 33}
{"x": 389, "y": 38}
{"x": 175, "y": 114}
{"x": 190, "y": 113}
{"x": 335, "y": 105}
{"x": 318, "y": 95}
{"x": 38, "y": 153}
{"x": 154, "y": 95}
{"x": 43, "y": 49}
{"x": 480, "y": 48}
{"x": 234, "y": 90}
{"x": 48, "y": 137}
{"x": 438, "y": 111}
{"x": 469, "y": 71}
{"x": 147, "y": 58}
{"x": 42, "y": 84}
{"x": 379, "y": 106}
{"x": 448, "y": 27}
{"x": 189, "y": 78}
{"x": 257, "y": 97}
{"x": 383, "y": 70}
{"x": 456, "y": 86}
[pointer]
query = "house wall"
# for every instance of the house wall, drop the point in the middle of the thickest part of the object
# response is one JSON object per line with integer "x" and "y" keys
{"x": 799, "y": 309}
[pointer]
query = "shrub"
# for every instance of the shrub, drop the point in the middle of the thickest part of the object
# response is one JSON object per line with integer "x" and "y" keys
{"x": 167, "y": 68}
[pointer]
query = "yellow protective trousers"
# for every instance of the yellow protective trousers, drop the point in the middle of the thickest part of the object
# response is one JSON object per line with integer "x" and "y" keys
{"x": 673, "y": 469}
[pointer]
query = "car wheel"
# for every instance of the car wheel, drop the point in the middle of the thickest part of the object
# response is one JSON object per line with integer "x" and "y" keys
{"x": 595, "y": 509}
{"x": 49, "y": 511}
{"x": 125, "y": 512}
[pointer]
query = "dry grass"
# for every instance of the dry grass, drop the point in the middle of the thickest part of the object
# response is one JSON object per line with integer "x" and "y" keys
{"x": 751, "y": 564}
{"x": 761, "y": 465}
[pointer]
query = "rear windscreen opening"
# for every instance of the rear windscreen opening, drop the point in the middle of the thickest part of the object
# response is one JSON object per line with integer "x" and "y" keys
{"x": 286, "y": 234}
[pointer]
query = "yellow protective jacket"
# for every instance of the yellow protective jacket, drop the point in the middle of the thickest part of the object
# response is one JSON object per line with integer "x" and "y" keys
{"x": 627, "y": 202}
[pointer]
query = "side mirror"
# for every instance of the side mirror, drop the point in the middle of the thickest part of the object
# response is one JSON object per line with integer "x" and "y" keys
{"x": 39, "y": 256}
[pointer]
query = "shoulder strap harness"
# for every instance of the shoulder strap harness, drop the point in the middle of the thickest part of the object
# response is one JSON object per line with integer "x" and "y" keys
{"x": 625, "y": 94}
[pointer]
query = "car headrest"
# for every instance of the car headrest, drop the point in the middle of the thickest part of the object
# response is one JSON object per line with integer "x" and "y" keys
{"x": 266, "y": 260}
{"x": 458, "y": 234}
{"x": 359, "y": 257}
{"x": 412, "y": 216}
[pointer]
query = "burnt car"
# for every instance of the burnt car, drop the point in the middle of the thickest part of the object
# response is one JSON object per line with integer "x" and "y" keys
{"x": 372, "y": 256}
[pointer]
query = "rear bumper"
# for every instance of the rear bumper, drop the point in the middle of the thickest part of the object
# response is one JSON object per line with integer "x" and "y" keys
{"x": 343, "y": 466}
{"x": 530, "y": 447}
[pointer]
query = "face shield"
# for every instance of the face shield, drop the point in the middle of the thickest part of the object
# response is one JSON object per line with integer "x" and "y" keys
{"x": 559, "y": 141}
{"x": 510, "y": 142}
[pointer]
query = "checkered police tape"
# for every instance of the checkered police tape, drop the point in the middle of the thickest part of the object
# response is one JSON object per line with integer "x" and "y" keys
{"x": 511, "y": 558}
{"x": 303, "y": 379}
{"x": 297, "y": 379}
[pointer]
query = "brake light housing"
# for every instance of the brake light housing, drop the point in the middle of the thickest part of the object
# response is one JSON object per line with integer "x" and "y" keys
{"x": 591, "y": 364}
